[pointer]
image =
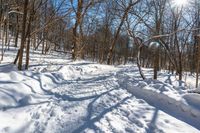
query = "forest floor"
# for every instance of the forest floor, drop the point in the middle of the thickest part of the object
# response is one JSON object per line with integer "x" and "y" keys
{"x": 57, "y": 95}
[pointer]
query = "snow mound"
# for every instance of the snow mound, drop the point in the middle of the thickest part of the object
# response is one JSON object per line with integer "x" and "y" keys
{"x": 193, "y": 100}
{"x": 70, "y": 72}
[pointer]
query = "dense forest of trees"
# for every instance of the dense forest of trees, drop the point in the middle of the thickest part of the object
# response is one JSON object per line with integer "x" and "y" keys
{"x": 162, "y": 34}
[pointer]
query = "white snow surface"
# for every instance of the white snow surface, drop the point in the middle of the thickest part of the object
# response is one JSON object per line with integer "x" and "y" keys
{"x": 57, "y": 95}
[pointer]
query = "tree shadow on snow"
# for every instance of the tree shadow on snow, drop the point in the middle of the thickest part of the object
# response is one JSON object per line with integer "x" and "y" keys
{"x": 152, "y": 125}
{"x": 90, "y": 122}
{"x": 5, "y": 68}
{"x": 65, "y": 97}
{"x": 168, "y": 80}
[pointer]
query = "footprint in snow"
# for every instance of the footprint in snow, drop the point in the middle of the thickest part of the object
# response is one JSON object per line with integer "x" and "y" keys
{"x": 129, "y": 130}
{"x": 144, "y": 117}
{"x": 6, "y": 129}
{"x": 141, "y": 101}
{"x": 166, "y": 121}
{"x": 147, "y": 108}
{"x": 35, "y": 115}
{"x": 136, "y": 121}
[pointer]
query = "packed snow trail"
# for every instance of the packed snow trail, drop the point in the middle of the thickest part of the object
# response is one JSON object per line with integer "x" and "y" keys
{"x": 60, "y": 96}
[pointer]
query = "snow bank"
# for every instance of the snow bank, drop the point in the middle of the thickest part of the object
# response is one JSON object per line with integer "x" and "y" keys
{"x": 164, "y": 99}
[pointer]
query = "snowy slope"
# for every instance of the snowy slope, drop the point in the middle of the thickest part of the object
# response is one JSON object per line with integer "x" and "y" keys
{"x": 57, "y": 95}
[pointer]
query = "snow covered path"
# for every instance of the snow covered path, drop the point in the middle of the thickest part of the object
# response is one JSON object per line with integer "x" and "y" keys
{"x": 82, "y": 96}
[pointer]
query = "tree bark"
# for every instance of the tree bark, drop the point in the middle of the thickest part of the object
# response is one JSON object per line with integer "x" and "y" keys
{"x": 197, "y": 62}
{"x": 23, "y": 39}
{"x": 17, "y": 31}
{"x": 76, "y": 37}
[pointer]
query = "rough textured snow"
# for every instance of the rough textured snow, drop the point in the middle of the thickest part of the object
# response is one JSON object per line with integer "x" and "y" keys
{"x": 59, "y": 96}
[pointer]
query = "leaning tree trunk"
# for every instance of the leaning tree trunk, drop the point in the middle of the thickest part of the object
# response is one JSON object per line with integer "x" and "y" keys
{"x": 110, "y": 54}
{"x": 139, "y": 64}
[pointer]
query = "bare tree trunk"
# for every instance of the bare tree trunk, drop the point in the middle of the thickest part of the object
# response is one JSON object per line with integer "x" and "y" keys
{"x": 27, "y": 53}
{"x": 156, "y": 63}
{"x": 1, "y": 18}
{"x": 7, "y": 33}
{"x": 138, "y": 62}
{"x": 17, "y": 57}
{"x": 34, "y": 41}
{"x": 29, "y": 36}
{"x": 180, "y": 66}
{"x": 76, "y": 36}
{"x": 43, "y": 44}
{"x": 3, "y": 41}
{"x": 23, "y": 38}
{"x": 197, "y": 62}
{"x": 44, "y": 30}
{"x": 17, "y": 31}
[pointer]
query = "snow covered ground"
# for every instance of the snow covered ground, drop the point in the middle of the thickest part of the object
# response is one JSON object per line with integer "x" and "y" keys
{"x": 57, "y": 95}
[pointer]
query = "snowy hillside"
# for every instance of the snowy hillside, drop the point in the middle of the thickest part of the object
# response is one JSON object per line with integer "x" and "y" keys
{"x": 57, "y": 95}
